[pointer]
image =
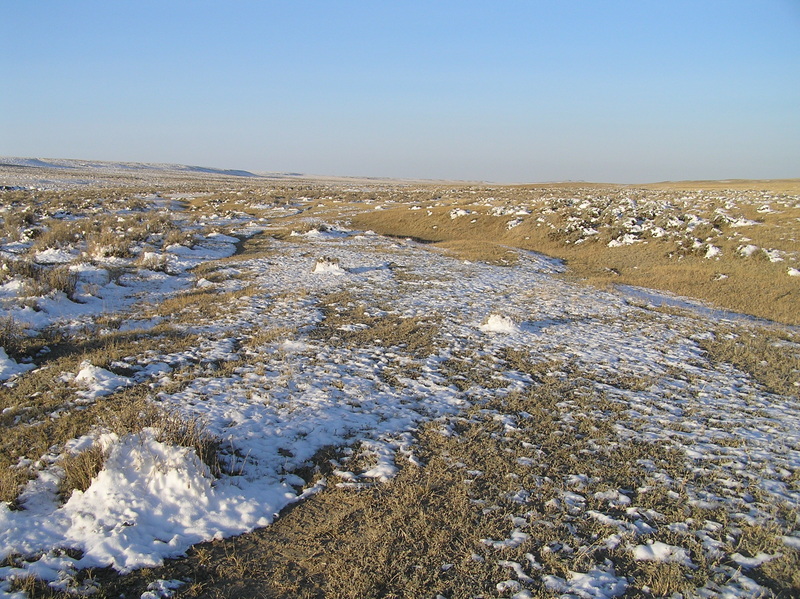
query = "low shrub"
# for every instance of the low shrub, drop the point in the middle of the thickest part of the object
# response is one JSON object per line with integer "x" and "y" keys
{"x": 47, "y": 280}
{"x": 58, "y": 234}
{"x": 11, "y": 335}
{"x": 107, "y": 243}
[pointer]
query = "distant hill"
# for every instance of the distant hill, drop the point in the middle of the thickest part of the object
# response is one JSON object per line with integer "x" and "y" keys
{"x": 89, "y": 165}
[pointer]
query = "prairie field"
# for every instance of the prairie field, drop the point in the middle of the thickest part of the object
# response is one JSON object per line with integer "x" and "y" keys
{"x": 221, "y": 384}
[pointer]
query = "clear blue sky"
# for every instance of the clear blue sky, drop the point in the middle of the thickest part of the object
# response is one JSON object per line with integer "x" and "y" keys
{"x": 518, "y": 91}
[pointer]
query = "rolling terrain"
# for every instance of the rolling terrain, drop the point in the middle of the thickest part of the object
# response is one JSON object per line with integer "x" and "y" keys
{"x": 221, "y": 383}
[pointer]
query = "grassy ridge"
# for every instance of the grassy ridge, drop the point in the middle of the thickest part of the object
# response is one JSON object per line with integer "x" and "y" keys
{"x": 669, "y": 240}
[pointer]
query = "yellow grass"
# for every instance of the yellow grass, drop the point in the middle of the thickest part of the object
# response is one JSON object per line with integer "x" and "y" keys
{"x": 752, "y": 285}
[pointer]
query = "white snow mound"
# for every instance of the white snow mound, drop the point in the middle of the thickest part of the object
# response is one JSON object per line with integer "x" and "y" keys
{"x": 498, "y": 323}
{"x": 328, "y": 267}
{"x": 151, "y": 501}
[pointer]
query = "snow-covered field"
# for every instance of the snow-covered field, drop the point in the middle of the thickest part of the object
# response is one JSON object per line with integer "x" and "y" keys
{"x": 333, "y": 337}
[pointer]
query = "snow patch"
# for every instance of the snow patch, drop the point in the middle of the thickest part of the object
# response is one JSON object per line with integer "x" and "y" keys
{"x": 661, "y": 552}
{"x": 747, "y": 250}
{"x": 755, "y": 561}
{"x": 597, "y": 583}
{"x": 162, "y": 589}
{"x": 54, "y": 256}
{"x": 627, "y": 239}
{"x": 9, "y": 367}
{"x": 150, "y": 501}
{"x": 98, "y": 382}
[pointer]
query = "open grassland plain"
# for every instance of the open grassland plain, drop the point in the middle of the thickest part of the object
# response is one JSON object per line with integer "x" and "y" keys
{"x": 216, "y": 384}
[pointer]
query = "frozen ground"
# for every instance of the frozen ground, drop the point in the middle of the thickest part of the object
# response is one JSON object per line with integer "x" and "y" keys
{"x": 323, "y": 379}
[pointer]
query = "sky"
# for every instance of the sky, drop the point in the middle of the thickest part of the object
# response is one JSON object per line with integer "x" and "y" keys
{"x": 502, "y": 91}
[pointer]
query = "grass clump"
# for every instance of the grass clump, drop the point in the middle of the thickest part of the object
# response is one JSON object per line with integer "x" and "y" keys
{"x": 47, "y": 280}
{"x": 12, "y": 479}
{"x": 17, "y": 267}
{"x": 39, "y": 280}
{"x": 59, "y": 234}
{"x": 170, "y": 427}
{"x": 39, "y": 411}
{"x": 80, "y": 469}
{"x": 12, "y": 336}
{"x": 107, "y": 244}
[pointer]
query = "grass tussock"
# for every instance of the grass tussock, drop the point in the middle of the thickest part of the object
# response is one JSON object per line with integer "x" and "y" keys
{"x": 39, "y": 280}
{"x": 58, "y": 234}
{"x": 12, "y": 480}
{"x": 12, "y": 336}
{"x": 80, "y": 469}
{"x": 39, "y": 411}
{"x": 48, "y": 280}
{"x": 172, "y": 428}
{"x": 131, "y": 418}
{"x": 17, "y": 267}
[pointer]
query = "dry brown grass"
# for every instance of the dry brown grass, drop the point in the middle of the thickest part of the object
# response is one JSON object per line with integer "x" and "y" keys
{"x": 261, "y": 337}
{"x": 483, "y": 251}
{"x": 47, "y": 280}
{"x": 771, "y": 357}
{"x": 753, "y": 286}
{"x": 39, "y": 280}
{"x": 80, "y": 469}
{"x": 109, "y": 243}
{"x": 196, "y": 304}
{"x": 59, "y": 233}
{"x": 12, "y": 337}
{"x": 39, "y": 411}
{"x": 773, "y": 185}
{"x": 349, "y": 322}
